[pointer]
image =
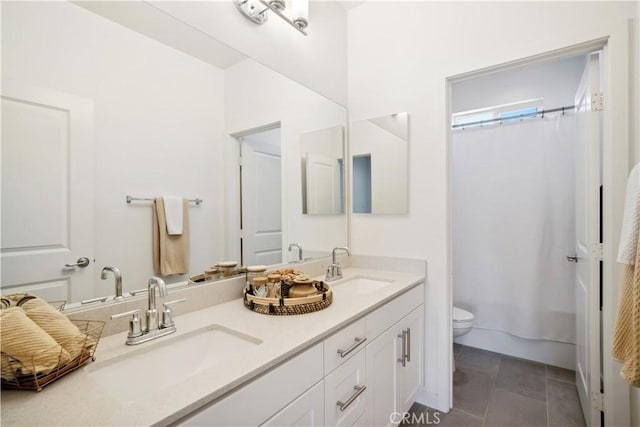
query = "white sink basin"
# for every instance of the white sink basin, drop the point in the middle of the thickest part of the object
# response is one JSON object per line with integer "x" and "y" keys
{"x": 133, "y": 375}
{"x": 361, "y": 285}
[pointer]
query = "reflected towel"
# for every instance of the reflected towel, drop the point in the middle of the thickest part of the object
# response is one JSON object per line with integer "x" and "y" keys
{"x": 173, "y": 213}
{"x": 170, "y": 253}
{"x": 26, "y": 348}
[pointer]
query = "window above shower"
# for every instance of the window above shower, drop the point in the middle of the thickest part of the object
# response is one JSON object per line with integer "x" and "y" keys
{"x": 497, "y": 114}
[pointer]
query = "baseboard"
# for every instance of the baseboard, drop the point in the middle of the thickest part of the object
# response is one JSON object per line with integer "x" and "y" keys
{"x": 549, "y": 352}
{"x": 430, "y": 400}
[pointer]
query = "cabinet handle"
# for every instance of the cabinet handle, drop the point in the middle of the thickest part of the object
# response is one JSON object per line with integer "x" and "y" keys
{"x": 356, "y": 344}
{"x": 359, "y": 390}
{"x": 403, "y": 359}
{"x": 408, "y": 354}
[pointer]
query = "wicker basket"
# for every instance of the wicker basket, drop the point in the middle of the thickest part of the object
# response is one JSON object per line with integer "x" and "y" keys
{"x": 290, "y": 306}
{"x": 36, "y": 381}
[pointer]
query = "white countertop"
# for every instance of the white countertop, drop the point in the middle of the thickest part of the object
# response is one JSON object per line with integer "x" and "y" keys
{"x": 79, "y": 399}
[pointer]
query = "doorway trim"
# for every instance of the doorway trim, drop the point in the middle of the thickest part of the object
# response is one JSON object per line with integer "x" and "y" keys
{"x": 232, "y": 192}
{"x": 615, "y": 164}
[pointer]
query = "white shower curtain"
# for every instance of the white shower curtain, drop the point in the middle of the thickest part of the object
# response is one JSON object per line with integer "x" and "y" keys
{"x": 513, "y": 226}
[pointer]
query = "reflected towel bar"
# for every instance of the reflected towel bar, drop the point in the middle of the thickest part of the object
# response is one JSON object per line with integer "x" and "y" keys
{"x": 148, "y": 199}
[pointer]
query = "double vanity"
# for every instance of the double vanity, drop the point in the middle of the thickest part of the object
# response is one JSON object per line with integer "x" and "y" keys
{"x": 354, "y": 363}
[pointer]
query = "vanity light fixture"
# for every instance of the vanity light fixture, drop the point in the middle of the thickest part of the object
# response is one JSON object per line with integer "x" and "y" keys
{"x": 294, "y": 12}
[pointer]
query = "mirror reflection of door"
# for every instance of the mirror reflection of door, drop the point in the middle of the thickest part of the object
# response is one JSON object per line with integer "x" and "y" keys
{"x": 44, "y": 187}
{"x": 322, "y": 166}
{"x": 261, "y": 198}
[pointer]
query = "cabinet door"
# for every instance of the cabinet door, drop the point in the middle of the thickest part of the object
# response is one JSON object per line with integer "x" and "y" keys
{"x": 382, "y": 354}
{"x": 258, "y": 400}
{"x": 307, "y": 410}
{"x": 409, "y": 378}
{"x": 346, "y": 392}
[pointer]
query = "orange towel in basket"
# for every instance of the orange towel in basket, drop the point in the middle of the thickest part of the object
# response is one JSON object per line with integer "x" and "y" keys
{"x": 58, "y": 326}
{"x": 26, "y": 348}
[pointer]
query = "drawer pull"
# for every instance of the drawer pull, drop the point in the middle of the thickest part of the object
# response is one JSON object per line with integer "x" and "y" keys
{"x": 359, "y": 390}
{"x": 356, "y": 344}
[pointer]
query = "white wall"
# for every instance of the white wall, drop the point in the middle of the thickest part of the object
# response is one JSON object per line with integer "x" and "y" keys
{"x": 405, "y": 67}
{"x": 318, "y": 61}
{"x": 256, "y": 96}
{"x": 554, "y": 81}
{"x": 159, "y": 118}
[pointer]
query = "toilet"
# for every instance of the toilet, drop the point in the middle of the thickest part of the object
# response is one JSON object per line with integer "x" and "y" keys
{"x": 462, "y": 321}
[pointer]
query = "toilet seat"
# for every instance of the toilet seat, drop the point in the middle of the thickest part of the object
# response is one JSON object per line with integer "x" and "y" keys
{"x": 461, "y": 316}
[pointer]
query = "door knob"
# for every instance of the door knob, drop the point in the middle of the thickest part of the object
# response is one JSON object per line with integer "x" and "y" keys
{"x": 572, "y": 258}
{"x": 82, "y": 262}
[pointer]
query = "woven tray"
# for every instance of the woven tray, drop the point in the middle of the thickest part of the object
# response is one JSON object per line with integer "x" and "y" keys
{"x": 36, "y": 381}
{"x": 290, "y": 306}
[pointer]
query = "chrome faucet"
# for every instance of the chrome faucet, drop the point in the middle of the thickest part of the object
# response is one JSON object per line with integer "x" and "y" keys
{"x": 334, "y": 271}
{"x": 155, "y": 328}
{"x": 299, "y": 246}
{"x": 117, "y": 275}
{"x": 153, "y": 321}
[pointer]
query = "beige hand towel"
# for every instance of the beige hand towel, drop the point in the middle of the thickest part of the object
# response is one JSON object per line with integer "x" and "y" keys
{"x": 170, "y": 253}
{"x": 58, "y": 326}
{"x": 626, "y": 338}
{"x": 26, "y": 347}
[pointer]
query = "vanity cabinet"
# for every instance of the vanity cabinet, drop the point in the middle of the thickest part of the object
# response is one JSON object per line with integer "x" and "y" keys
{"x": 358, "y": 376}
{"x": 394, "y": 369}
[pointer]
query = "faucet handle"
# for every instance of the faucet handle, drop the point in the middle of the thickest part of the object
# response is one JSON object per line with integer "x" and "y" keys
{"x": 135, "y": 325}
{"x": 175, "y": 301}
{"x": 167, "y": 314}
{"x": 125, "y": 314}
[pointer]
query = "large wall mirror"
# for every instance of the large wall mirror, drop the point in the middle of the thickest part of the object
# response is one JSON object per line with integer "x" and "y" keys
{"x": 101, "y": 100}
{"x": 379, "y": 149}
{"x": 322, "y": 164}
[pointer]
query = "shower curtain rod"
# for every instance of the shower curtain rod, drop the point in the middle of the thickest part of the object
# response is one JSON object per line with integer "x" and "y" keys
{"x": 520, "y": 116}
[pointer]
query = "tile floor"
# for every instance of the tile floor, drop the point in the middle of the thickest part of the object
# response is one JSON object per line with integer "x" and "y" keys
{"x": 492, "y": 389}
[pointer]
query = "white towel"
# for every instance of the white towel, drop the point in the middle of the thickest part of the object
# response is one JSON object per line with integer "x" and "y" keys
{"x": 631, "y": 219}
{"x": 173, "y": 214}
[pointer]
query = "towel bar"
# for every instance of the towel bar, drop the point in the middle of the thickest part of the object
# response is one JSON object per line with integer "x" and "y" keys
{"x": 148, "y": 199}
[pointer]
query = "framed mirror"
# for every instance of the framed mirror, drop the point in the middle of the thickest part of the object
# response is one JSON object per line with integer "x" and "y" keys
{"x": 322, "y": 165}
{"x": 379, "y": 153}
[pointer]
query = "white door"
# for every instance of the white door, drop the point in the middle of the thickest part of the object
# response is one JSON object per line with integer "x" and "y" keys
{"x": 261, "y": 198}
{"x": 587, "y": 238}
{"x": 323, "y": 184}
{"x": 47, "y": 193}
{"x": 382, "y": 358}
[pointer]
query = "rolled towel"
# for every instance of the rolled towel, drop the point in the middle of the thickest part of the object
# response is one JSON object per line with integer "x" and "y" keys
{"x": 21, "y": 340}
{"x": 18, "y": 299}
{"x": 58, "y": 326}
